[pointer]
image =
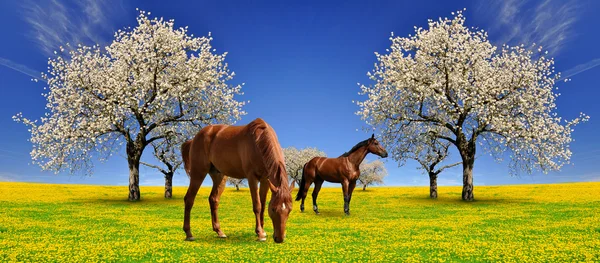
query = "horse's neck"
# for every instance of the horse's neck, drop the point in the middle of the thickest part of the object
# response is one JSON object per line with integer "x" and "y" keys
{"x": 358, "y": 156}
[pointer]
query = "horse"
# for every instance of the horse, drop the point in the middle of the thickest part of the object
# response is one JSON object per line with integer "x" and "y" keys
{"x": 251, "y": 151}
{"x": 344, "y": 170}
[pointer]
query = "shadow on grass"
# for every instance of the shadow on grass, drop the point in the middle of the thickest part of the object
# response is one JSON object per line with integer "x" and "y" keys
{"x": 237, "y": 238}
{"x": 123, "y": 201}
{"x": 328, "y": 213}
{"x": 459, "y": 201}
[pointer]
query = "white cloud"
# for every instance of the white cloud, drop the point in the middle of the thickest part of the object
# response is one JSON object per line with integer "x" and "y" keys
{"x": 55, "y": 23}
{"x": 580, "y": 68}
{"x": 20, "y": 68}
{"x": 548, "y": 23}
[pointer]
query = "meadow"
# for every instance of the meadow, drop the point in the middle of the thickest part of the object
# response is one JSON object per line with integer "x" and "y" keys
{"x": 526, "y": 223}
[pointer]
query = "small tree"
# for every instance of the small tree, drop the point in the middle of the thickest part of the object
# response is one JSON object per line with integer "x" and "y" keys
{"x": 236, "y": 182}
{"x": 295, "y": 160}
{"x": 152, "y": 80}
{"x": 167, "y": 151}
{"x": 430, "y": 153}
{"x": 372, "y": 173}
{"x": 450, "y": 82}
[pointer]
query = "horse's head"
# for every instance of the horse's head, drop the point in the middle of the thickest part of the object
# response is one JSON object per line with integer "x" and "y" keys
{"x": 376, "y": 148}
{"x": 280, "y": 207}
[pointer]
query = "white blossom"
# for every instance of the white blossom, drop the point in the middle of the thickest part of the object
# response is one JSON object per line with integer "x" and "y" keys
{"x": 372, "y": 173}
{"x": 296, "y": 159}
{"x": 236, "y": 182}
{"x": 450, "y": 82}
{"x": 152, "y": 82}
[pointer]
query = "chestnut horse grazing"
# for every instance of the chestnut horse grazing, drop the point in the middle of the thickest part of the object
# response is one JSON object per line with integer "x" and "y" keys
{"x": 344, "y": 169}
{"x": 251, "y": 151}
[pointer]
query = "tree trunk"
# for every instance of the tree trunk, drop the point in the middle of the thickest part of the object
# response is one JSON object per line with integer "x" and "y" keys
{"x": 467, "y": 153}
{"x": 467, "y": 192}
{"x": 134, "y": 180}
{"x": 364, "y": 187}
{"x": 169, "y": 185}
{"x": 433, "y": 185}
{"x": 134, "y": 154}
{"x": 237, "y": 187}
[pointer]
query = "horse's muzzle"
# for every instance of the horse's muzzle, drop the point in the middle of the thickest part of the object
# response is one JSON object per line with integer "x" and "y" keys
{"x": 278, "y": 239}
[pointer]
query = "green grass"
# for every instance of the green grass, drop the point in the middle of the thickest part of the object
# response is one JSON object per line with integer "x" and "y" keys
{"x": 533, "y": 223}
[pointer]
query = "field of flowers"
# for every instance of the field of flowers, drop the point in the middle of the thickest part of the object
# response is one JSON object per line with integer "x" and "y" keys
{"x": 534, "y": 223}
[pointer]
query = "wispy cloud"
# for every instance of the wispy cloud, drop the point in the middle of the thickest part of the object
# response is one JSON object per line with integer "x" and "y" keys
{"x": 57, "y": 22}
{"x": 580, "y": 68}
{"x": 548, "y": 23}
{"x": 20, "y": 68}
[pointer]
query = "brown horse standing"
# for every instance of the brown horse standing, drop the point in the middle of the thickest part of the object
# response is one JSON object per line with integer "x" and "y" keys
{"x": 344, "y": 169}
{"x": 251, "y": 151}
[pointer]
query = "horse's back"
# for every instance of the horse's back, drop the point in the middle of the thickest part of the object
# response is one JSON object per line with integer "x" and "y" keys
{"x": 328, "y": 169}
{"x": 232, "y": 149}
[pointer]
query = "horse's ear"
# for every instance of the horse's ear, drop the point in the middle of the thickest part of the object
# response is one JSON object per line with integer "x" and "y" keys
{"x": 274, "y": 188}
{"x": 292, "y": 185}
{"x": 373, "y": 136}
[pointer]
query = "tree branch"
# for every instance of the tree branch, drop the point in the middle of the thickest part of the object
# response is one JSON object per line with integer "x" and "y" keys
{"x": 154, "y": 166}
{"x": 447, "y": 166}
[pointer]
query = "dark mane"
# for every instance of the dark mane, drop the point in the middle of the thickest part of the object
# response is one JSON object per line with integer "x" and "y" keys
{"x": 356, "y": 147}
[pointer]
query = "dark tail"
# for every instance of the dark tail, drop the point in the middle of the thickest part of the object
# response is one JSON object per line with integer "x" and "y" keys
{"x": 185, "y": 153}
{"x": 301, "y": 188}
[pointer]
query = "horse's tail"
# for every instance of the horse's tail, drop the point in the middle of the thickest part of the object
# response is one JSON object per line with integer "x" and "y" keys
{"x": 185, "y": 154}
{"x": 270, "y": 151}
{"x": 300, "y": 194}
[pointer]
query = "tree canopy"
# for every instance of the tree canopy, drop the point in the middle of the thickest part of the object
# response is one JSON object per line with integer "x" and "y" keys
{"x": 152, "y": 81}
{"x": 450, "y": 82}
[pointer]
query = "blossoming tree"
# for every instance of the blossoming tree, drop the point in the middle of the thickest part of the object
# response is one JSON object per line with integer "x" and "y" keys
{"x": 295, "y": 160}
{"x": 430, "y": 153}
{"x": 153, "y": 80}
{"x": 372, "y": 173}
{"x": 449, "y": 82}
{"x": 168, "y": 152}
{"x": 236, "y": 182}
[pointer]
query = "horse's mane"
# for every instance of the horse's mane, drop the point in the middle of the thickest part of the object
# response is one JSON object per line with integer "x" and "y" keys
{"x": 273, "y": 159}
{"x": 356, "y": 147}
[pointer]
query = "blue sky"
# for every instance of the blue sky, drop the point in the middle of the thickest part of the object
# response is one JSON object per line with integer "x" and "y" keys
{"x": 301, "y": 61}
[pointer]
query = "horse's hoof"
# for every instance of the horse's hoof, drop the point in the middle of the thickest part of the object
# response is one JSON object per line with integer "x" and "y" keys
{"x": 222, "y": 236}
{"x": 261, "y": 239}
{"x": 190, "y": 239}
{"x": 347, "y": 213}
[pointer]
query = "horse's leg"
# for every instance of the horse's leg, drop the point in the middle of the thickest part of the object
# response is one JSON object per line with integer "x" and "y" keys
{"x": 351, "y": 186}
{"x": 197, "y": 175}
{"x": 307, "y": 181}
{"x": 315, "y": 194}
{"x": 219, "y": 181}
{"x": 263, "y": 190}
{"x": 345, "y": 186}
{"x": 256, "y": 207}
